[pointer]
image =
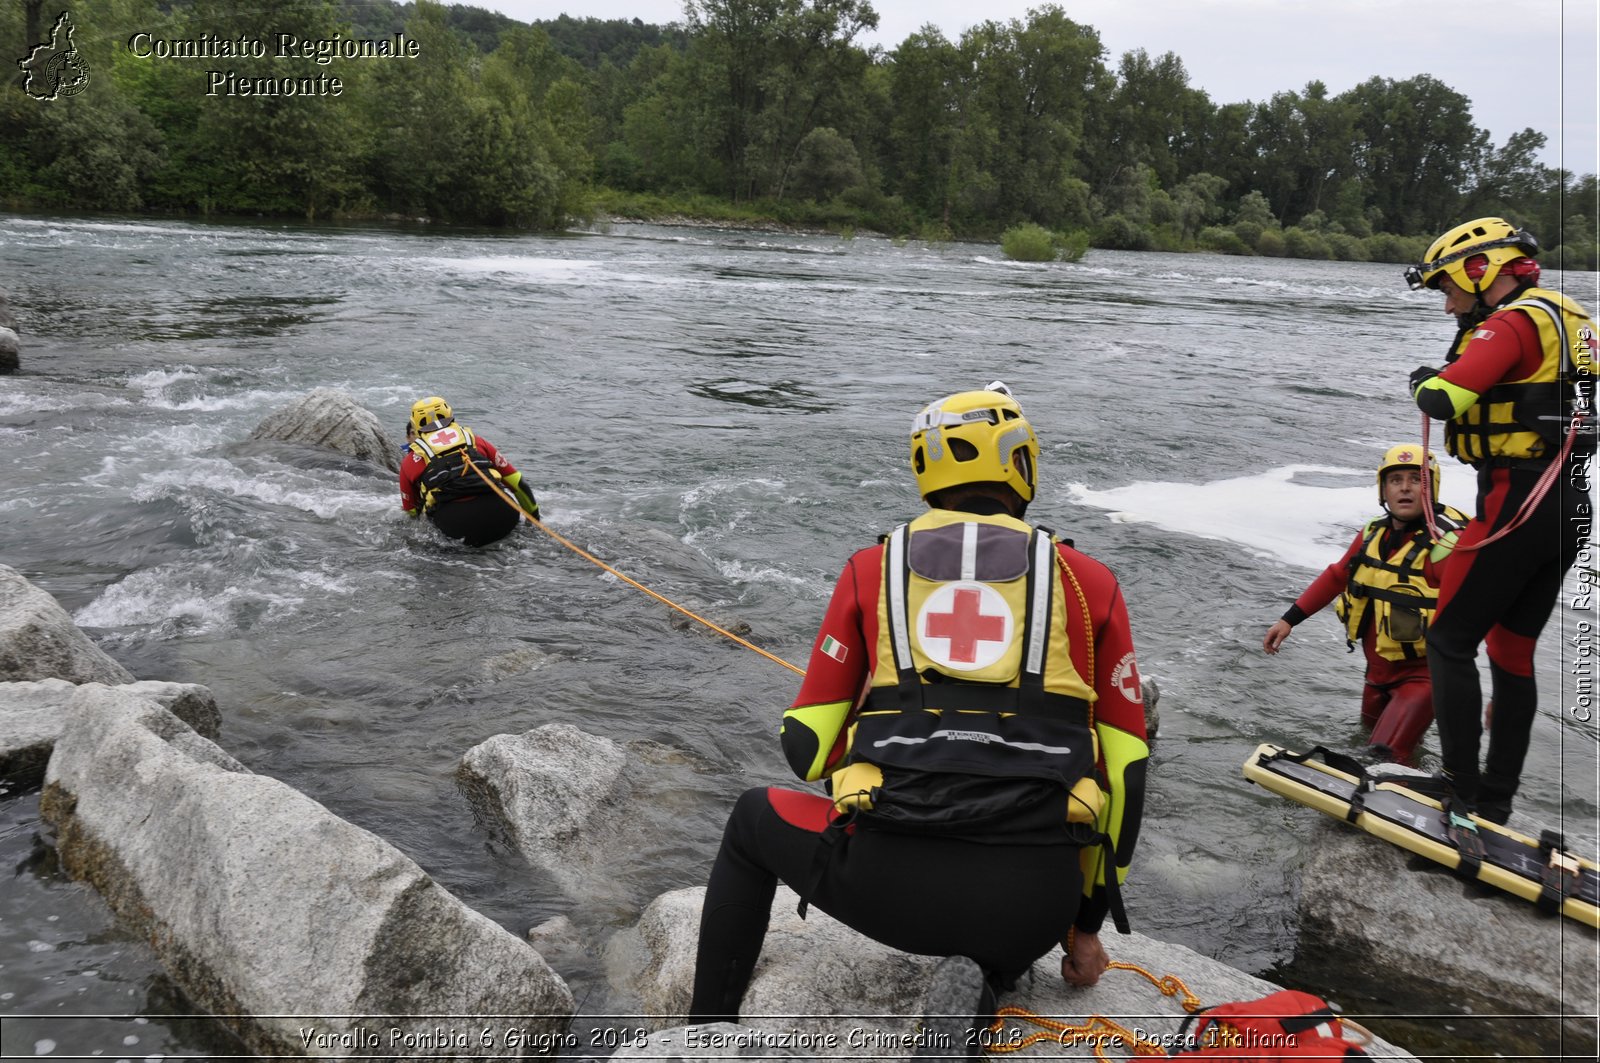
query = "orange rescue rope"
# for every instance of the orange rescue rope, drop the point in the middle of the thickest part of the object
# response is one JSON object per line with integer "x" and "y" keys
{"x": 537, "y": 523}
{"x": 1096, "y": 1030}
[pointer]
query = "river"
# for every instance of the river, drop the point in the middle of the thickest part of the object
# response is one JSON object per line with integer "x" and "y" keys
{"x": 722, "y": 415}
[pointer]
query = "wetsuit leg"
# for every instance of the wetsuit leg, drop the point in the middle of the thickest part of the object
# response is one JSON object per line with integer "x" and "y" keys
{"x": 476, "y": 521}
{"x": 1406, "y": 716}
{"x": 1373, "y": 700}
{"x": 931, "y": 896}
{"x": 1513, "y": 583}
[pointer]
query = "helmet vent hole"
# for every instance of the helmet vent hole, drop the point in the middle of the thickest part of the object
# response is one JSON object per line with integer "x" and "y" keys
{"x": 918, "y": 462}
{"x": 962, "y": 450}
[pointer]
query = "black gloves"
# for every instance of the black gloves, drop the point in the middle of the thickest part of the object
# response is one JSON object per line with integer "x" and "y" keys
{"x": 1421, "y": 375}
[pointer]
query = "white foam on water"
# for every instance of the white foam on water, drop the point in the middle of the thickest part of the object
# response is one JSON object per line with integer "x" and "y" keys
{"x": 1270, "y": 514}
{"x": 186, "y": 389}
{"x": 19, "y": 403}
{"x": 186, "y": 598}
{"x": 298, "y": 490}
{"x": 739, "y": 571}
{"x": 523, "y": 267}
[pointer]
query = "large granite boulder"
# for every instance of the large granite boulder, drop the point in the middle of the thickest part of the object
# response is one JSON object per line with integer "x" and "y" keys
{"x": 822, "y": 990}
{"x": 333, "y": 420}
{"x": 33, "y": 715}
{"x": 1373, "y": 905}
{"x": 570, "y": 802}
{"x": 38, "y": 640}
{"x": 307, "y": 935}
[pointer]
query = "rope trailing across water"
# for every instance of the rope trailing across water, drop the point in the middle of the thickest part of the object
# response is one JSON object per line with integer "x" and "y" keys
{"x": 537, "y": 523}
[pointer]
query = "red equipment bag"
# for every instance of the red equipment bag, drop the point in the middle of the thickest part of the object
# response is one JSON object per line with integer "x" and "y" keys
{"x": 1287, "y": 1025}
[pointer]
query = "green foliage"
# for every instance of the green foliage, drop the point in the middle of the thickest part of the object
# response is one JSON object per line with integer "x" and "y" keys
{"x": 768, "y": 111}
{"x": 1071, "y": 246}
{"x": 826, "y": 165}
{"x": 1387, "y": 247}
{"x": 1271, "y": 243}
{"x": 1346, "y": 248}
{"x": 1028, "y": 243}
{"x": 1254, "y": 209}
{"x": 1226, "y": 241}
{"x": 1119, "y": 233}
{"x": 1300, "y": 243}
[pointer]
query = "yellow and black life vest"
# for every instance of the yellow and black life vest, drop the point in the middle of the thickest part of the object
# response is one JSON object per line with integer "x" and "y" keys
{"x": 1529, "y": 418}
{"x": 974, "y": 671}
{"x": 449, "y": 455}
{"x": 1390, "y": 592}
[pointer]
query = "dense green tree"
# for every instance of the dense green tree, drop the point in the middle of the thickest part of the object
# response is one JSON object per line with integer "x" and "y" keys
{"x": 1022, "y": 116}
{"x": 1414, "y": 148}
{"x": 1152, "y": 118}
{"x": 271, "y": 134}
{"x": 777, "y": 66}
{"x": 924, "y": 89}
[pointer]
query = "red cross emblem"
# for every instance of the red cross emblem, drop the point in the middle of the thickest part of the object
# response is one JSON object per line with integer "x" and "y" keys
{"x": 965, "y": 626}
{"x": 444, "y": 437}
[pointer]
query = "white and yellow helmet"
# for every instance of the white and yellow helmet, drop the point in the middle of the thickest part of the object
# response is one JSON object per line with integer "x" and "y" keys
{"x": 975, "y": 437}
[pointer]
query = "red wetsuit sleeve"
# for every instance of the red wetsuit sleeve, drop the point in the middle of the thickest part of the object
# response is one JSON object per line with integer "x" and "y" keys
{"x": 1115, "y": 672}
{"x": 1505, "y": 347}
{"x": 489, "y": 451}
{"x": 411, "y": 467}
{"x": 1328, "y": 586}
{"x": 846, "y": 642}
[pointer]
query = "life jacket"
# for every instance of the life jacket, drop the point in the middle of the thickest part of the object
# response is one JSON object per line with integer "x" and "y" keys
{"x": 1392, "y": 591}
{"x": 449, "y": 455}
{"x": 1530, "y": 417}
{"x": 1284, "y": 1025}
{"x": 974, "y": 671}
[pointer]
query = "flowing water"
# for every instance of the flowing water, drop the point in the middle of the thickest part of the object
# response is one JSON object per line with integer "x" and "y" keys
{"x": 722, "y": 415}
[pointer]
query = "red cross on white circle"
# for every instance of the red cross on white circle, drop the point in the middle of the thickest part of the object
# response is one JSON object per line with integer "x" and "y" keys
{"x": 965, "y": 626}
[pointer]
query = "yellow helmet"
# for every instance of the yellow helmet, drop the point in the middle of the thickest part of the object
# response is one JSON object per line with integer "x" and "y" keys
{"x": 974, "y": 437}
{"x": 431, "y": 414}
{"x": 1404, "y": 456}
{"x": 1454, "y": 253}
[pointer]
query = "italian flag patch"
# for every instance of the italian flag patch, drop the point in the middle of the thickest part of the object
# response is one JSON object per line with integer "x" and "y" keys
{"x": 834, "y": 648}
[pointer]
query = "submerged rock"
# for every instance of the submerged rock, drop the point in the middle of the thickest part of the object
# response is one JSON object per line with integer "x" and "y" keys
{"x": 38, "y": 640}
{"x": 10, "y": 346}
{"x": 307, "y": 935}
{"x": 10, "y": 350}
{"x": 822, "y": 990}
{"x": 332, "y": 419}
